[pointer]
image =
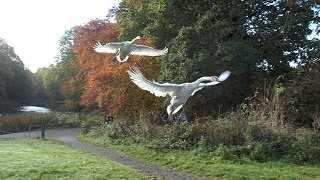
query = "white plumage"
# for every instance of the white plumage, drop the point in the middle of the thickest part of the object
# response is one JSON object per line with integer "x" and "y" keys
{"x": 123, "y": 49}
{"x": 179, "y": 93}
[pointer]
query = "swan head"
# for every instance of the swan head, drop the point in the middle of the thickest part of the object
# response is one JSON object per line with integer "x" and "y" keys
{"x": 138, "y": 37}
{"x": 215, "y": 79}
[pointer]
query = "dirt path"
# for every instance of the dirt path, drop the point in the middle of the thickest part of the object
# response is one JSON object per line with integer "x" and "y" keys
{"x": 68, "y": 136}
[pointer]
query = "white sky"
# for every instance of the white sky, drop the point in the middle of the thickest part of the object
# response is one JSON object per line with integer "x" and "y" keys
{"x": 33, "y": 27}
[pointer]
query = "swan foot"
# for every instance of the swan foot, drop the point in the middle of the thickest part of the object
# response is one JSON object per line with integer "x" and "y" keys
{"x": 114, "y": 59}
{"x": 170, "y": 118}
{"x": 183, "y": 116}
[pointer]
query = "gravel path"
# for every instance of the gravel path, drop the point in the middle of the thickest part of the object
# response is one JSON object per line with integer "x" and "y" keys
{"x": 68, "y": 136}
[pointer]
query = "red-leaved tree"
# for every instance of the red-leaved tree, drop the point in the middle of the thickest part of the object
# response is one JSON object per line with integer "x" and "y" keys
{"x": 106, "y": 83}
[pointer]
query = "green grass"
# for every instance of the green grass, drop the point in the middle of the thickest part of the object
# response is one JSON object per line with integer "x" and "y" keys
{"x": 207, "y": 165}
{"x": 45, "y": 159}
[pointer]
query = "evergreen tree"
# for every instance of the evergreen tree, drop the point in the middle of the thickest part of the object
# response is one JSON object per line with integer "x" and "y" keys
{"x": 255, "y": 40}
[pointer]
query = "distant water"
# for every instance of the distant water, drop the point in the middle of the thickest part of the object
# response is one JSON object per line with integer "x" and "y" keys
{"x": 36, "y": 109}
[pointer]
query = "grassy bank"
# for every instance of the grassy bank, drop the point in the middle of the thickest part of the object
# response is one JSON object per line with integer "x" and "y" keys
{"x": 45, "y": 159}
{"x": 211, "y": 164}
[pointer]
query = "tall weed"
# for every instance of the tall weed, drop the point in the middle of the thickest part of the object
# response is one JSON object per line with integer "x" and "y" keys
{"x": 28, "y": 121}
{"x": 22, "y": 122}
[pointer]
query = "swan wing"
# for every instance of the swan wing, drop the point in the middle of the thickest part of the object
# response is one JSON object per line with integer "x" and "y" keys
{"x": 153, "y": 87}
{"x": 107, "y": 48}
{"x": 143, "y": 50}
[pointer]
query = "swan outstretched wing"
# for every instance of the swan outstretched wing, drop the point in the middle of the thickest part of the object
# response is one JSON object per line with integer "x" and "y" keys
{"x": 143, "y": 50}
{"x": 107, "y": 48}
{"x": 223, "y": 76}
{"x": 153, "y": 87}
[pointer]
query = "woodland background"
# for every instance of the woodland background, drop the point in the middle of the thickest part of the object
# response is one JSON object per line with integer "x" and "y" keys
{"x": 268, "y": 110}
{"x": 261, "y": 42}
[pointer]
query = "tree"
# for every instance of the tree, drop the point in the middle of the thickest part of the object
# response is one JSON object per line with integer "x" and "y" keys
{"x": 71, "y": 88}
{"x": 159, "y": 20}
{"x": 37, "y": 93}
{"x": 303, "y": 93}
{"x": 14, "y": 79}
{"x": 51, "y": 84}
{"x": 60, "y": 82}
{"x": 217, "y": 42}
{"x": 106, "y": 83}
{"x": 280, "y": 28}
{"x": 132, "y": 18}
{"x": 255, "y": 40}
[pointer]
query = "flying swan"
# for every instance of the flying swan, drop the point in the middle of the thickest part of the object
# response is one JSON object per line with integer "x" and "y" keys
{"x": 179, "y": 93}
{"x": 123, "y": 49}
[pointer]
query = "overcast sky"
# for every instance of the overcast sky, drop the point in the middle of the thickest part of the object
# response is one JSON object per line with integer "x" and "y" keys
{"x": 33, "y": 27}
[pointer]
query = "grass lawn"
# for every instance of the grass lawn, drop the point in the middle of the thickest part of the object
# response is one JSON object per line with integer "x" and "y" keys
{"x": 31, "y": 158}
{"x": 208, "y": 166}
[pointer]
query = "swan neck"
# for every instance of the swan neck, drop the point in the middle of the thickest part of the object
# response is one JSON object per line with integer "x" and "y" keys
{"x": 134, "y": 39}
{"x": 205, "y": 78}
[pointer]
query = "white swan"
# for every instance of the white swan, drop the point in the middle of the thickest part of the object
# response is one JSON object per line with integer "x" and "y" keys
{"x": 123, "y": 49}
{"x": 179, "y": 93}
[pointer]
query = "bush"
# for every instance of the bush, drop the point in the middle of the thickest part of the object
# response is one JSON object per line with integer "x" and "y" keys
{"x": 22, "y": 122}
{"x": 28, "y": 121}
{"x": 224, "y": 152}
{"x": 89, "y": 120}
{"x": 176, "y": 136}
{"x": 256, "y": 131}
{"x": 64, "y": 120}
{"x": 303, "y": 97}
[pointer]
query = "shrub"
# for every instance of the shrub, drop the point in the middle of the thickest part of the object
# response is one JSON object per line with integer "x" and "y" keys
{"x": 88, "y": 121}
{"x": 224, "y": 152}
{"x": 22, "y": 122}
{"x": 257, "y": 131}
{"x": 66, "y": 119}
{"x": 303, "y": 97}
{"x": 29, "y": 121}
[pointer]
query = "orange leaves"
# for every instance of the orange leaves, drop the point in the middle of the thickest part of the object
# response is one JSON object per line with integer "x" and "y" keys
{"x": 107, "y": 83}
{"x": 85, "y": 38}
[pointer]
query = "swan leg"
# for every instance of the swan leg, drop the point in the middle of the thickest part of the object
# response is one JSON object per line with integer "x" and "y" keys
{"x": 114, "y": 59}
{"x": 183, "y": 116}
{"x": 170, "y": 115}
{"x": 170, "y": 118}
{"x": 129, "y": 64}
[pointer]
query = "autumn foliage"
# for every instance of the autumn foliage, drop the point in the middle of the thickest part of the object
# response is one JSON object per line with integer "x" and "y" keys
{"x": 106, "y": 83}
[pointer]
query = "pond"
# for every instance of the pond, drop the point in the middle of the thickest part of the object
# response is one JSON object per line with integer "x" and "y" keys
{"x": 36, "y": 109}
